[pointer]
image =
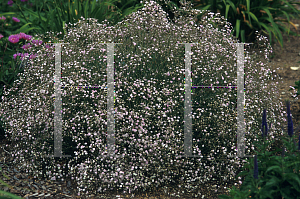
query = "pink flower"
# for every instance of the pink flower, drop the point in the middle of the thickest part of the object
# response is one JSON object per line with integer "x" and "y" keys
{"x": 18, "y": 54}
{"x": 2, "y": 18}
{"x": 10, "y": 2}
{"x": 37, "y": 42}
{"x": 26, "y": 46}
{"x": 27, "y": 37}
{"x": 16, "y": 19}
{"x": 22, "y": 35}
{"x": 13, "y": 38}
{"x": 33, "y": 56}
{"x": 1, "y": 36}
{"x": 24, "y": 55}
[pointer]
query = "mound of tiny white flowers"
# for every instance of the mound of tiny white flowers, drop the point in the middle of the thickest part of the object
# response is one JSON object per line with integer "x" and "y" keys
{"x": 149, "y": 80}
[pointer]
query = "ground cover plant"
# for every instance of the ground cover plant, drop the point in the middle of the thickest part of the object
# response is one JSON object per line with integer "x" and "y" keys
{"x": 140, "y": 51}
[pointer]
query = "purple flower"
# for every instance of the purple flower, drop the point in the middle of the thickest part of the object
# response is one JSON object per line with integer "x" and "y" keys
{"x": 10, "y": 2}
{"x": 1, "y": 36}
{"x": 290, "y": 122}
{"x": 24, "y": 55}
{"x": 15, "y": 55}
{"x": 22, "y": 35}
{"x": 13, "y": 38}
{"x": 27, "y": 37}
{"x": 255, "y": 175}
{"x": 33, "y": 56}
{"x": 26, "y": 46}
{"x": 37, "y": 42}
{"x": 2, "y": 18}
{"x": 24, "y": 0}
{"x": 264, "y": 126}
{"x": 16, "y": 19}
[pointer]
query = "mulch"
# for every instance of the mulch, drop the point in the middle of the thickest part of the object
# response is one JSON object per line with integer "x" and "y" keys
{"x": 24, "y": 185}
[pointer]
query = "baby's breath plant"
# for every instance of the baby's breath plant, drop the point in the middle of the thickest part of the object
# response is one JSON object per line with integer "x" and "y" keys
{"x": 149, "y": 62}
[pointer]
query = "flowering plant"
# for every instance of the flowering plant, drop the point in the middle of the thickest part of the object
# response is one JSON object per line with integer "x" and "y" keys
{"x": 270, "y": 176}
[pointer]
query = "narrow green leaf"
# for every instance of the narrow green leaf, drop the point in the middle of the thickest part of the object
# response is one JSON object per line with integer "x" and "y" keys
{"x": 275, "y": 27}
{"x": 11, "y": 195}
{"x": 226, "y": 12}
{"x": 290, "y": 6}
{"x": 204, "y": 8}
{"x": 243, "y": 36}
{"x": 267, "y": 28}
{"x": 268, "y": 12}
{"x": 44, "y": 24}
{"x": 34, "y": 14}
{"x": 85, "y": 9}
{"x": 253, "y": 16}
{"x": 23, "y": 28}
{"x": 64, "y": 28}
{"x": 248, "y": 5}
{"x": 93, "y": 5}
{"x": 237, "y": 28}
{"x": 77, "y": 8}
{"x": 7, "y": 13}
{"x": 232, "y": 6}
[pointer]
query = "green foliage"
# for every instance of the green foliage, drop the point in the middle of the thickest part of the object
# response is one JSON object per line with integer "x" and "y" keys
{"x": 279, "y": 176}
{"x": 248, "y": 16}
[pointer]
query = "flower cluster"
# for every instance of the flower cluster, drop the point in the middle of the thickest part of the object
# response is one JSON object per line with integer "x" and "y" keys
{"x": 150, "y": 74}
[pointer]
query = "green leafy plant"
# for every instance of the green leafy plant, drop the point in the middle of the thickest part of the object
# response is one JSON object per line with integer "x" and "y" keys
{"x": 248, "y": 16}
{"x": 271, "y": 176}
{"x": 57, "y": 13}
